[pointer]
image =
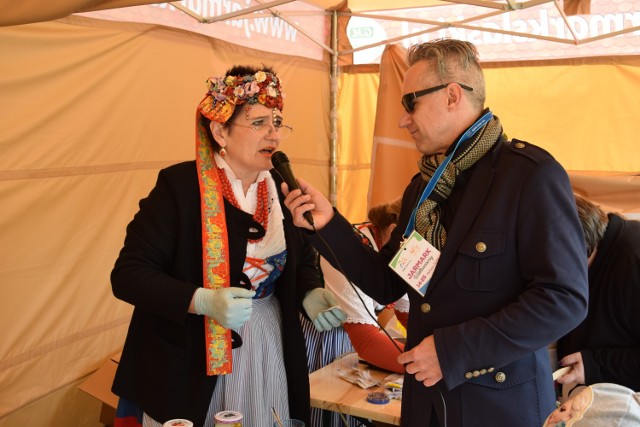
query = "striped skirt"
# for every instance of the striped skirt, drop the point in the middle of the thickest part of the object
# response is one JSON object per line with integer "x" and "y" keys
{"x": 258, "y": 381}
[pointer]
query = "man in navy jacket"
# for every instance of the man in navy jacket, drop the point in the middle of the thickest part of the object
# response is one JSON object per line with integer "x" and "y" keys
{"x": 512, "y": 275}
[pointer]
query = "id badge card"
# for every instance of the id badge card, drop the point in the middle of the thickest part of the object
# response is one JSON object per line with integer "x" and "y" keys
{"x": 415, "y": 262}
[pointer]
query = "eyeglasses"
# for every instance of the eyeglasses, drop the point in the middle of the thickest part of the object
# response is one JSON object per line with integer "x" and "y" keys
{"x": 260, "y": 126}
{"x": 409, "y": 99}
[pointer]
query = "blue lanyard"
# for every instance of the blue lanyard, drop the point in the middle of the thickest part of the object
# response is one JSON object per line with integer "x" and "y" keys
{"x": 438, "y": 173}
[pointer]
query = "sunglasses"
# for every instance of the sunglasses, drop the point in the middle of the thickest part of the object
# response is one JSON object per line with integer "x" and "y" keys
{"x": 409, "y": 99}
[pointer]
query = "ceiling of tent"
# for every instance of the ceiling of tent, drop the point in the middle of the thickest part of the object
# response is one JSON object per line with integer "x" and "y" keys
{"x": 536, "y": 29}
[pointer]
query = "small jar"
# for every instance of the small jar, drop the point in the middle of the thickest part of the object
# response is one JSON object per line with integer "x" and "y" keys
{"x": 178, "y": 423}
{"x": 228, "y": 419}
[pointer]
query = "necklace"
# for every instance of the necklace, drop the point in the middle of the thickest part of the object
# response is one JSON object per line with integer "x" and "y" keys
{"x": 261, "y": 214}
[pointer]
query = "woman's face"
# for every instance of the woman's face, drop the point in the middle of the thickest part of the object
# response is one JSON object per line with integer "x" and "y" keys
{"x": 250, "y": 139}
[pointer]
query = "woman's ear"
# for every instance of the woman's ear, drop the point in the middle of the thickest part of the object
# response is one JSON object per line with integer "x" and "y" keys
{"x": 218, "y": 132}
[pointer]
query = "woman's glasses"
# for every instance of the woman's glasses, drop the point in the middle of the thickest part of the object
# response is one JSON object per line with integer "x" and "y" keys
{"x": 260, "y": 127}
{"x": 409, "y": 99}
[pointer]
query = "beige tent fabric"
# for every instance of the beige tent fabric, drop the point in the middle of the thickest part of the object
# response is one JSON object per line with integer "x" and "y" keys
{"x": 583, "y": 111}
{"x": 89, "y": 112}
{"x": 395, "y": 156}
{"x": 577, "y": 7}
{"x": 30, "y": 11}
{"x": 356, "y": 117}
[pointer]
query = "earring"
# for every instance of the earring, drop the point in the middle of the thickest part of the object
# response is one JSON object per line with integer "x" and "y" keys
{"x": 223, "y": 152}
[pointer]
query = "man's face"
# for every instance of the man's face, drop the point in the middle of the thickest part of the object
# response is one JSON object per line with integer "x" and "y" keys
{"x": 429, "y": 122}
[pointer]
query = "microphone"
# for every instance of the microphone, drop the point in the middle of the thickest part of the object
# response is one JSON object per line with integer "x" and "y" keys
{"x": 280, "y": 161}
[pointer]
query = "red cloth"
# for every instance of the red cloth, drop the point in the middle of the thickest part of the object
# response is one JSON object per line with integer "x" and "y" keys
{"x": 374, "y": 346}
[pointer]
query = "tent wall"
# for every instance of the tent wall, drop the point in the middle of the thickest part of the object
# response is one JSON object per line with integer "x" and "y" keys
{"x": 358, "y": 90}
{"x": 89, "y": 112}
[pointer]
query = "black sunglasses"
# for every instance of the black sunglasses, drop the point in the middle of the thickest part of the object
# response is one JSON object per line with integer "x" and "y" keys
{"x": 409, "y": 99}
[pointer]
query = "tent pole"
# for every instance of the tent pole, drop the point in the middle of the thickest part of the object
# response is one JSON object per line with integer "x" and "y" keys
{"x": 333, "y": 116}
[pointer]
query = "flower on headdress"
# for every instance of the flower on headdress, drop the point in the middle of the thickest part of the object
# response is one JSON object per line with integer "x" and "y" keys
{"x": 239, "y": 91}
{"x": 225, "y": 93}
{"x": 251, "y": 88}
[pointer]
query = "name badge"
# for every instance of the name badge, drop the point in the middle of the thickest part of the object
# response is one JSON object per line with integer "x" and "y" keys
{"x": 415, "y": 262}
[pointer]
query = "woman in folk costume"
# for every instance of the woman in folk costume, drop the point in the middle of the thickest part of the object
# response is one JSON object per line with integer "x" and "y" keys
{"x": 218, "y": 273}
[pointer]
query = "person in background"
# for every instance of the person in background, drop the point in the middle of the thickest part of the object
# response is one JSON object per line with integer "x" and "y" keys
{"x": 369, "y": 342}
{"x": 598, "y": 405}
{"x": 511, "y": 276}
{"x": 605, "y": 347}
{"x": 359, "y": 333}
{"x": 215, "y": 268}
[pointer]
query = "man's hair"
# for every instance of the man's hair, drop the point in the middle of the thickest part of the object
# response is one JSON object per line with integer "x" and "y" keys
{"x": 594, "y": 222}
{"x": 453, "y": 61}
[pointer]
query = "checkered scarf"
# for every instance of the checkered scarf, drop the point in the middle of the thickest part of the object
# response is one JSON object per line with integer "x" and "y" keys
{"x": 428, "y": 217}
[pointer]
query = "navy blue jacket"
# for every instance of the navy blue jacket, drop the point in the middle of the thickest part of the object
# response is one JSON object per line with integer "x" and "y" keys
{"x": 493, "y": 308}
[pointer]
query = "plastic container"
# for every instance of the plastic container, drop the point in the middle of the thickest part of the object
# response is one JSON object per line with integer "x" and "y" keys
{"x": 228, "y": 419}
{"x": 178, "y": 422}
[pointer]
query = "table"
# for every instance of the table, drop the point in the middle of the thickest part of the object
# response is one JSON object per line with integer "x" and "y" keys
{"x": 328, "y": 391}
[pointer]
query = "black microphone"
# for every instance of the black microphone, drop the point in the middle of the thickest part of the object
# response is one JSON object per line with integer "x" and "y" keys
{"x": 280, "y": 161}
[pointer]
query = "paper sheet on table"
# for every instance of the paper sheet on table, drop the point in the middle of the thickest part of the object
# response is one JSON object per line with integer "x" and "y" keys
{"x": 360, "y": 377}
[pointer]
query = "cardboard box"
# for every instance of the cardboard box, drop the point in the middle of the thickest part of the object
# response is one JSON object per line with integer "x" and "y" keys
{"x": 99, "y": 384}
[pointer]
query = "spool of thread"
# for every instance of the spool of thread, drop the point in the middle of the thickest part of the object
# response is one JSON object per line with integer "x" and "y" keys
{"x": 378, "y": 398}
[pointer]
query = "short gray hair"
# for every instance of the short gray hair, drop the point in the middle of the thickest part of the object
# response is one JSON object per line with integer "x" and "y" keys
{"x": 453, "y": 61}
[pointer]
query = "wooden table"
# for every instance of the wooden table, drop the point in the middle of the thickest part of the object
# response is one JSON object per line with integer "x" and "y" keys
{"x": 328, "y": 391}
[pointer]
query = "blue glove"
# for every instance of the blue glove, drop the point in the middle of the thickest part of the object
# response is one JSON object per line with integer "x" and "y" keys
{"x": 230, "y": 307}
{"x": 323, "y": 309}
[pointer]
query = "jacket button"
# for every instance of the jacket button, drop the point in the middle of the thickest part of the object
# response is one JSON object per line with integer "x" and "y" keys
{"x": 481, "y": 247}
{"x": 519, "y": 145}
{"x": 425, "y": 307}
{"x": 476, "y": 374}
{"x": 468, "y": 375}
{"x": 490, "y": 370}
{"x": 501, "y": 377}
{"x": 483, "y": 371}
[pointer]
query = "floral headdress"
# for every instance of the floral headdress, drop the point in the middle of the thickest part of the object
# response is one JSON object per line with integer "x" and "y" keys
{"x": 225, "y": 93}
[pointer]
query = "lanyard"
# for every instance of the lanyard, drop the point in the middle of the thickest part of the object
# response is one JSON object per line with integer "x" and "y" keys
{"x": 440, "y": 170}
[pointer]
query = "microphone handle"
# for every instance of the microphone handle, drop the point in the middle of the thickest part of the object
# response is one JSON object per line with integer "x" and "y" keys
{"x": 287, "y": 176}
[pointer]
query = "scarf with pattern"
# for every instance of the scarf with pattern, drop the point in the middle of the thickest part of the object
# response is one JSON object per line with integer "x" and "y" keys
{"x": 428, "y": 216}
